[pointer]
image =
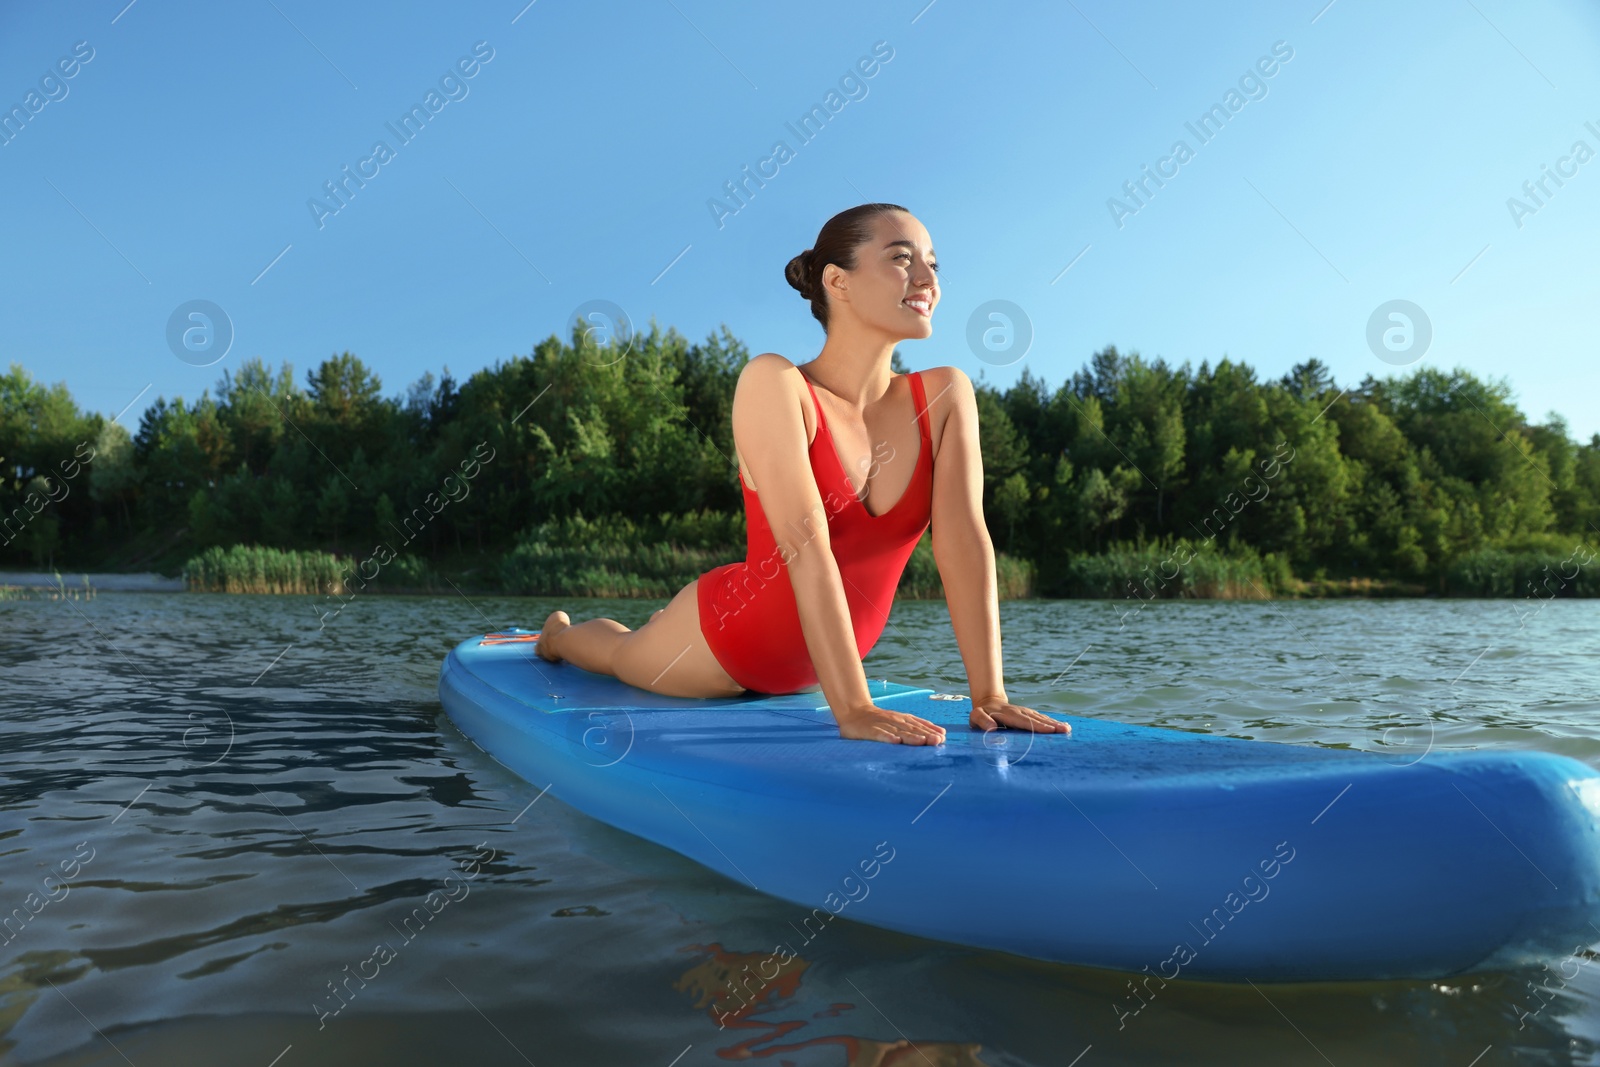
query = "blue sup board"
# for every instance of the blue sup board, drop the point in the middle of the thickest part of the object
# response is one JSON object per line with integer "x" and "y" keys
{"x": 1136, "y": 848}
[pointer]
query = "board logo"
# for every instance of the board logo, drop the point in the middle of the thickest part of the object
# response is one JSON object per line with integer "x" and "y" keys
{"x": 512, "y": 638}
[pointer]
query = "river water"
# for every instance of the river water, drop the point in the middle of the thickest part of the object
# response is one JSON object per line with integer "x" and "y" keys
{"x": 239, "y": 805}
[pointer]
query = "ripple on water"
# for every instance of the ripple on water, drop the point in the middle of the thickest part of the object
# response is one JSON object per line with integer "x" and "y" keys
{"x": 268, "y": 802}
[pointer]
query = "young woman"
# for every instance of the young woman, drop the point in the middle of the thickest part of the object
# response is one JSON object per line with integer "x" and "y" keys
{"x": 843, "y": 465}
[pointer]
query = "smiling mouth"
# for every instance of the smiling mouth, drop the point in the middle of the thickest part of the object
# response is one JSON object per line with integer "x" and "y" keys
{"x": 921, "y": 307}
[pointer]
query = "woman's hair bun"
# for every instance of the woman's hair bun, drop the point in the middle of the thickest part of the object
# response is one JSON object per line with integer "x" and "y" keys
{"x": 837, "y": 244}
{"x": 798, "y": 272}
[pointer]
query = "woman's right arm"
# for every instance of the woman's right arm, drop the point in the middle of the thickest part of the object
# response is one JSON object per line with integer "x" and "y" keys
{"x": 769, "y": 431}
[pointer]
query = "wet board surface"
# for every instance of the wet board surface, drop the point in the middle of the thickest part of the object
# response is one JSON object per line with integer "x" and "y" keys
{"x": 1115, "y": 846}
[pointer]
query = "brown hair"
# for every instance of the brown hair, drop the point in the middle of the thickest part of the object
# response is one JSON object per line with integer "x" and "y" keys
{"x": 836, "y": 244}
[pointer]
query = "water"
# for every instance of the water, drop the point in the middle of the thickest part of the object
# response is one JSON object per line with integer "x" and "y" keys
{"x": 250, "y": 806}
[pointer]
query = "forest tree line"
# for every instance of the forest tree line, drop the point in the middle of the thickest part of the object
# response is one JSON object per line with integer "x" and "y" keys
{"x": 1409, "y": 478}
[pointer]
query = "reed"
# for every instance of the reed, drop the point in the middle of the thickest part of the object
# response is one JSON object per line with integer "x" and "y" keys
{"x": 255, "y": 569}
{"x": 1180, "y": 569}
{"x": 1541, "y": 567}
{"x": 59, "y": 591}
{"x": 617, "y": 557}
{"x": 614, "y": 556}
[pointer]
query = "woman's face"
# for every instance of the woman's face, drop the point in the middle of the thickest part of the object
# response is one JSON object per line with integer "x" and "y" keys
{"x": 895, "y": 286}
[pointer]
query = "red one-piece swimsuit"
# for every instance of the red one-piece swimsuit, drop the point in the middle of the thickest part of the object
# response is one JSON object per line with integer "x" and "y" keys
{"x": 747, "y": 609}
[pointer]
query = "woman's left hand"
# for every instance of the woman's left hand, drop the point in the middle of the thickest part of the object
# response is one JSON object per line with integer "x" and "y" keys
{"x": 995, "y": 713}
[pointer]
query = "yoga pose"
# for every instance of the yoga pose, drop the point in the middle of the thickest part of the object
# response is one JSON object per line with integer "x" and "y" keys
{"x": 826, "y": 550}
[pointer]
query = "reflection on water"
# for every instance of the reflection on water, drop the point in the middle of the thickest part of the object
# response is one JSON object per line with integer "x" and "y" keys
{"x": 230, "y": 835}
{"x": 720, "y": 984}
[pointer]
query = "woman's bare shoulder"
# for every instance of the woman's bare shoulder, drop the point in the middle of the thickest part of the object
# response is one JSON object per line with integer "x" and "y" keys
{"x": 945, "y": 389}
{"x": 767, "y": 363}
{"x": 772, "y": 426}
{"x": 942, "y": 378}
{"x": 766, "y": 380}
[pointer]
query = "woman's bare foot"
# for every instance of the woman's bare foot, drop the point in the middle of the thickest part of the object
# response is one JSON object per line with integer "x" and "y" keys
{"x": 553, "y": 625}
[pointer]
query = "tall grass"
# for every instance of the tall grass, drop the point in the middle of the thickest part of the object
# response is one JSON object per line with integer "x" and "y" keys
{"x": 1180, "y": 569}
{"x": 1542, "y": 567}
{"x": 59, "y": 591}
{"x": 613, "y": 556}
{"x": 616, "y": 557}
{"x": 254, "y": 569}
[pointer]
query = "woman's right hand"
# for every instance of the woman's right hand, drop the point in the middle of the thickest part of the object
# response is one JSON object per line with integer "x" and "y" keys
{"x": 869, "y": 723}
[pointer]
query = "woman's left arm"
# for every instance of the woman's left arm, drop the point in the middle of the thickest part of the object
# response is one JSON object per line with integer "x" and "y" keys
{"x": 964, "y": 554}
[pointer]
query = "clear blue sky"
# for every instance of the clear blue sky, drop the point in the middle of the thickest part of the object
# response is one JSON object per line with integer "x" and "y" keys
{"x": 579, "y": 164}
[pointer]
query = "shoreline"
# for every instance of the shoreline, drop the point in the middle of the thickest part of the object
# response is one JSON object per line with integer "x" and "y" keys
{"x": 103, "y": 582}
{"x": 97, "y": 583}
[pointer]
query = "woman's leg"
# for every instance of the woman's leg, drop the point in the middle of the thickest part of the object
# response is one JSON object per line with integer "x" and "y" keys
{"x": 591, "y": 645}
{"x": 667, "y": 655}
